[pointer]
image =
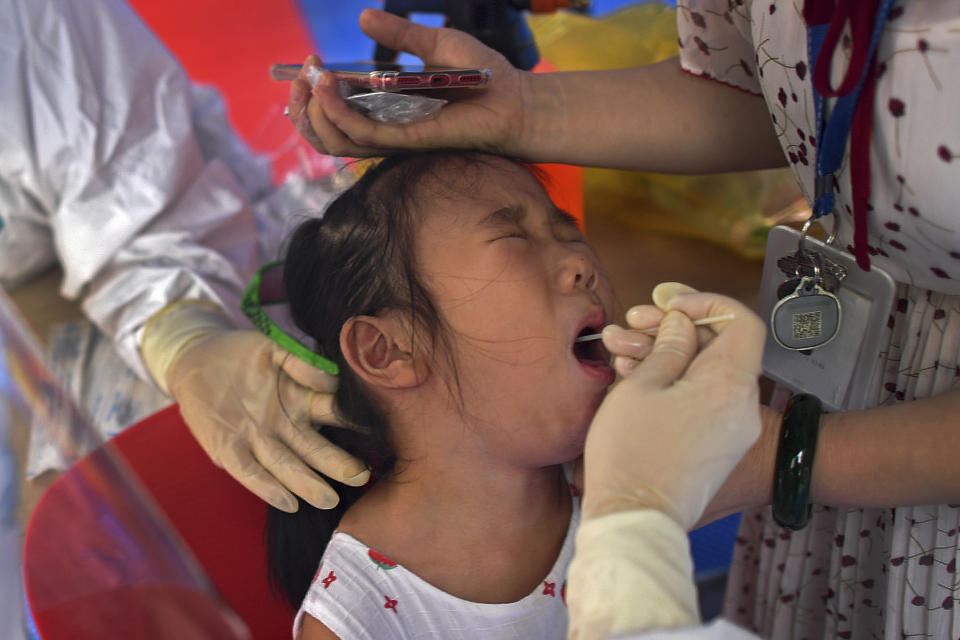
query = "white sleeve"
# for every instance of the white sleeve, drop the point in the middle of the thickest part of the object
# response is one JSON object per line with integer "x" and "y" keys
{"x": 716, "y": 630}
{"x": 631, "y": 572}
{"x": 100, "y": 161}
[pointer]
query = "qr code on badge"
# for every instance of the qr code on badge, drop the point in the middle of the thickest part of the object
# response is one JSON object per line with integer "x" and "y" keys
{"x": 806, "y": 325}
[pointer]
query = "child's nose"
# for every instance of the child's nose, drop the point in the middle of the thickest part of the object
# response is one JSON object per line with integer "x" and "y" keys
{"x": 587, "y": 279}
{"x": 579, "y": 271}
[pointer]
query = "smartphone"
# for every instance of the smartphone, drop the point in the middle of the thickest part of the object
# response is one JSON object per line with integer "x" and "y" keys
{"x": 389, "y": 76}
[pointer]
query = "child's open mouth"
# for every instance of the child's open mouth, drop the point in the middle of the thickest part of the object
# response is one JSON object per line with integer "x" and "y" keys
{"x": 591, "y": 352}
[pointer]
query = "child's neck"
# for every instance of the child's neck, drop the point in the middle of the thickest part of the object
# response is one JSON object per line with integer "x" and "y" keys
{"x": 473, "y": 526}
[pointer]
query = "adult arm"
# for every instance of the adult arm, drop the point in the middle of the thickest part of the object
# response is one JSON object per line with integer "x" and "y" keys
{"x": 897, "y": 455}
{"x": 900, "y": 455}
{"x": 101, "y": 158}
{"x": 653, "y": 118}
{"x": 123, "y": 171}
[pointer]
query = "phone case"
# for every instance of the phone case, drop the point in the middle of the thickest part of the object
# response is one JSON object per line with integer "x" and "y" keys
{"x": 396, "y": 79}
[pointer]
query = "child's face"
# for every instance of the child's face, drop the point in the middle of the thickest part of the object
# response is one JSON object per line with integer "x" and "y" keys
{"x": 516, "y": 282}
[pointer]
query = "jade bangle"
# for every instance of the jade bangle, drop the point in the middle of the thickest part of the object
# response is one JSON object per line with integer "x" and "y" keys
{"x": 794, "y": 470}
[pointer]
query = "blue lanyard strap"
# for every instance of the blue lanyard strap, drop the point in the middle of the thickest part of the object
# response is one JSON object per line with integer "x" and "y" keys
{"x": 832, "y": 133}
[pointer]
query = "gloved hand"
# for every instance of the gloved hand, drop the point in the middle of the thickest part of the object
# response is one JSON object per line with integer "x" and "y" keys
{"x": 249, "y": 404}
{"x": 491, "y": 119}
{"x": 630, "y": 346}
{"x": 667, "y": 436}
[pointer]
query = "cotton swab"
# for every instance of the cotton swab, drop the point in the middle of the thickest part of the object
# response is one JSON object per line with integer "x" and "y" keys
{"x": 652, "y": 331}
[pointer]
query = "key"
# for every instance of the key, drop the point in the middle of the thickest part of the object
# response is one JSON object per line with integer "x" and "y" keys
{"x": 807, "y": 263}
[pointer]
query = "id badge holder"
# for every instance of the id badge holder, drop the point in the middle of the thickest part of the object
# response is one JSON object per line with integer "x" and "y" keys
{"x": 841, "y": 372}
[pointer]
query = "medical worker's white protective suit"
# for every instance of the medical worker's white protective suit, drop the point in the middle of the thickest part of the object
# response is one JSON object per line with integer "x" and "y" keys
{"x": 113, "y": 165}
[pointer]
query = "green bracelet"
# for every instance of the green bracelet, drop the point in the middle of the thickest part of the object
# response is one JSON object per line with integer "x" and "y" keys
{"x": 794, "y": 470}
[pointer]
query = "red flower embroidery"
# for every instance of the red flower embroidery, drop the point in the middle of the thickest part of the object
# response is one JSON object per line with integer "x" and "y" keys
{"x": 329, "y": 580}
{"x": 390, "y": 604}
{"x": 549, "y": 589}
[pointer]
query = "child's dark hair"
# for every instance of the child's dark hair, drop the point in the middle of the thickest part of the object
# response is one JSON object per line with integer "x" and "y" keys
{"x": 359, "y": 259}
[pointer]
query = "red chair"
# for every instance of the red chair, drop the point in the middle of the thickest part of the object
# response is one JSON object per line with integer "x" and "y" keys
{"x": 69, "y": 547}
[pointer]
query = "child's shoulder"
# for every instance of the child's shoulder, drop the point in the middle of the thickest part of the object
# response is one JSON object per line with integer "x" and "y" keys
{"x": 359, "y": 592}
{"x": 355, "y": 561}
{"x": 353, "y": 588}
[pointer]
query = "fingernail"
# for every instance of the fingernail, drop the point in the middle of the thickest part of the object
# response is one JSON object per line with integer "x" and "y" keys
{"x": 320, "y": 78}
{"x": 634, "y": 313}
{"x": 313, "y": 75}
{"x": 360, "y": 479}
{"x": 287, "y": 504}
{"x": 610, "y": 330}
{"x": 625, "y": 366}
{"x": 617, "y": 336}
{"x": 330, "y": 500}
{"x": 611, "y": 334}
{"x": 664, "y": 292}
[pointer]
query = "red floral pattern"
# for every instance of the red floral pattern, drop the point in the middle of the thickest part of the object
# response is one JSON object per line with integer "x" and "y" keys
{"x": 915, "y": 181}
{"x": 861, "y": 573}
{"x": 360, "y": 592}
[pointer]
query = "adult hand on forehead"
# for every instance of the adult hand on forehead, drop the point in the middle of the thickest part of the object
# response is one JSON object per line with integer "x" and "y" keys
{"x": 490, "y": 119}
{"x": 669, "y": 433}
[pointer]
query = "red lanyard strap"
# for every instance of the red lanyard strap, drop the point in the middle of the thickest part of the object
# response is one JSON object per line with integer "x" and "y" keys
{"x": 861, "y": 14}
{"x": 851, "y": 116}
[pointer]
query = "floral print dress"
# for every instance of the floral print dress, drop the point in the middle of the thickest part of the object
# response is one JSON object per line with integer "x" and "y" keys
{"x": 861, "y": 573}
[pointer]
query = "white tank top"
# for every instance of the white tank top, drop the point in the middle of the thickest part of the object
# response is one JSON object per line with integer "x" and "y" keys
{"x": 359, "y": 593}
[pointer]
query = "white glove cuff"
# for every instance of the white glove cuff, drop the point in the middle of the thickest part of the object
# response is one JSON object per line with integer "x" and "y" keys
{"x": 632, "y": 571}
{"x": 171, "y": 329}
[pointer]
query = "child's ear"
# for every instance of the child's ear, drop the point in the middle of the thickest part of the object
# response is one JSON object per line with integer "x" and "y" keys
{"x": 378, "y": 349}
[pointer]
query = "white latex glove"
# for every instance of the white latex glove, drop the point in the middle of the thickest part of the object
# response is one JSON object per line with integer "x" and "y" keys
{"x": 630, "y": 346}
{"x": 668, "y": 435}
{"x": 662, "y": 443}
{"x": 250, "y": 404}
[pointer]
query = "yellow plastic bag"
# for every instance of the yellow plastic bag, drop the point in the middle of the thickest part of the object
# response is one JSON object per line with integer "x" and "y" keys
{"x": 734, "y": 209}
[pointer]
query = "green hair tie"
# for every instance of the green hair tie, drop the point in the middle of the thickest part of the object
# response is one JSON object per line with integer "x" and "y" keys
{"x": 253, "y": 309}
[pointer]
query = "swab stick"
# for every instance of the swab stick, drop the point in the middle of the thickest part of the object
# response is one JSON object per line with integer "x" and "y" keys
{"x": 652, "y": 331}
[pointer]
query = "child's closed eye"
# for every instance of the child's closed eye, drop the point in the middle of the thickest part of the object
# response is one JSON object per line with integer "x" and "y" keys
{"x": 507, "y": 234}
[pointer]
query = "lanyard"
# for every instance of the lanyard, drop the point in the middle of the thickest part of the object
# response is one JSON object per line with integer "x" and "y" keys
{"x": 850, "y": 118}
